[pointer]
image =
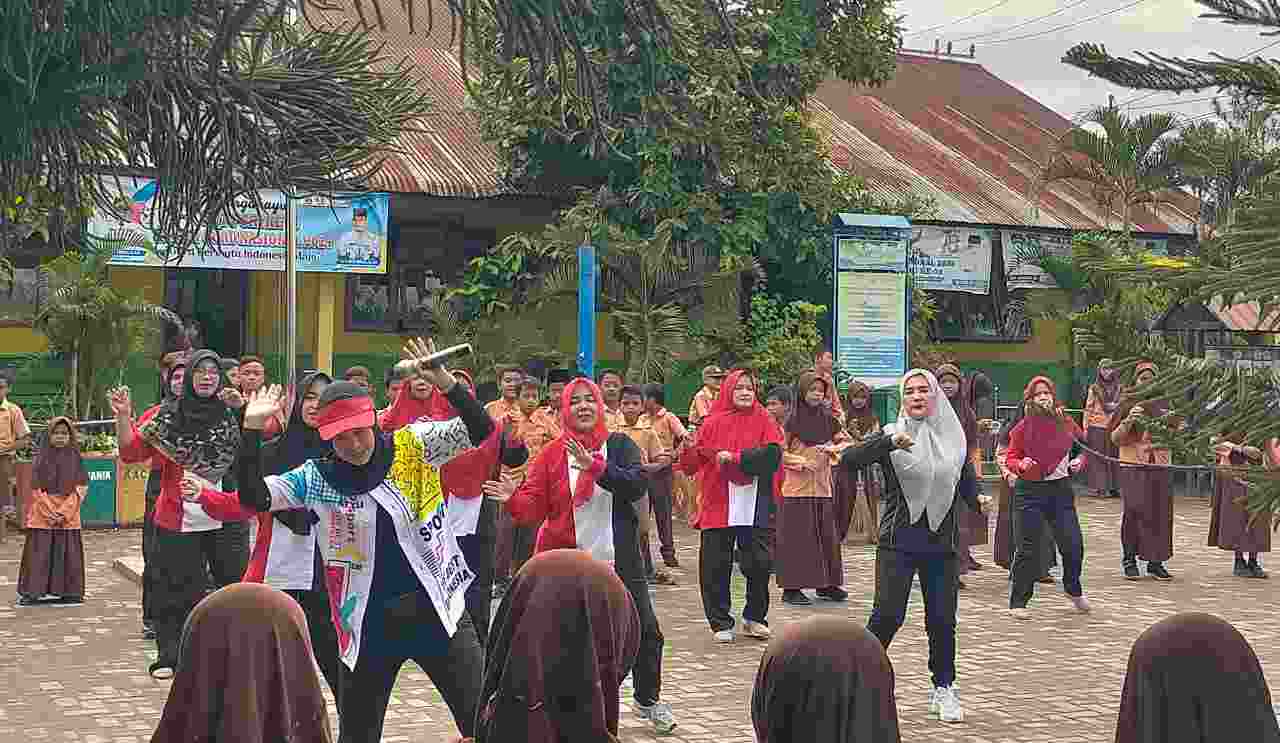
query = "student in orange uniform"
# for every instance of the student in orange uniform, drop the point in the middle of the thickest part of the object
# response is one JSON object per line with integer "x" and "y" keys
{"x": 655, "y": 459}
{"x": 670, "y": 432}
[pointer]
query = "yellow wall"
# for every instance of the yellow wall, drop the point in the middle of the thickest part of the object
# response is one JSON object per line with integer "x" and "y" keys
{"x": 148, "y": 282}
{"x": 18, "y": 339}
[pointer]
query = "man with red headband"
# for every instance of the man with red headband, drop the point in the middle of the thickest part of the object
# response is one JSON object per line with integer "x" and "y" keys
{"x": 396, "y": 576}
{"x": 585, "y": 484}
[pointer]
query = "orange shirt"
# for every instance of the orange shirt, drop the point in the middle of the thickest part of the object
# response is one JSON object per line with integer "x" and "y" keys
{"x": 667, "y": 427}
{"x": 13, "y": 426}
{"x": 500, "y": 408}
{"x": 644, "y": 438}
{"x": 613, "y": 419}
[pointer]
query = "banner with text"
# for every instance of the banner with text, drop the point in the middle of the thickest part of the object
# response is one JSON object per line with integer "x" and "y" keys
{"x": 343, "y": 234}
{"x": 1023, "y": 252}
{"x": 955, "y": 259}
{"x": 870, "y": 301}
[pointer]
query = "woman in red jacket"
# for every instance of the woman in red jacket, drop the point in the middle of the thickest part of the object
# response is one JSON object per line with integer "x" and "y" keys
{"x": 583, "y": 485}
{"x": 738, "y": 446}
{"x": 1043, "y": 451}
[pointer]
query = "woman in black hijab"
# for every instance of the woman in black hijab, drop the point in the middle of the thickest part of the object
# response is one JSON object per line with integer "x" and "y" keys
{"x": 825, "y": 680}
{"x": 1193, "y": 678}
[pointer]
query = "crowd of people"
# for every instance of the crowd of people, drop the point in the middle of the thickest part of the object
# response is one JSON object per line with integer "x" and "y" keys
{"x": 550, "y": 497}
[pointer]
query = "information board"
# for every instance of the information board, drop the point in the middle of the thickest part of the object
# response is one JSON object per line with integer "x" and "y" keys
{"x": 871, "y": 298}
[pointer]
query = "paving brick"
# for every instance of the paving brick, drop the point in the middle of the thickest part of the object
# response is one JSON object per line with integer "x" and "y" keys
{"x": 79, "y": 673}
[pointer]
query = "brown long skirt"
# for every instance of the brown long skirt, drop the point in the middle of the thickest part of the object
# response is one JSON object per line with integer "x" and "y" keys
{"x": 1006, "y": 540}
{"x": 52, "y": 564}
{"x": 1229, "y": 527}
{"x": 1146, "y": 526}
{"x": 808, "y": 553}
{"x": 1102, "y": 475}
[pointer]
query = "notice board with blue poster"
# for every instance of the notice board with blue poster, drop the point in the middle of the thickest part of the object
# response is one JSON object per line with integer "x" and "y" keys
{"x": 872, "y": 297}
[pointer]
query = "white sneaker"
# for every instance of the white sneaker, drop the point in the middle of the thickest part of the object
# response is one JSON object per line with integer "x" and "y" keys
{"x": 659, "y": 713}
{"x": 1021, "y": 613}
{"x": 1081, "y": 603}
{"x": 948, "y": 705}
{"x": 757, "y": 630}
{"x": 933, "y": 701}
{"x": 724, "y": 636}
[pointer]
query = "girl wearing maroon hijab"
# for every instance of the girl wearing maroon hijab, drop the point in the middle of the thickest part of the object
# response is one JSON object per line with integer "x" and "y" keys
{"x": 583, "y": 485}
{"x": 1146, "y": 491}
{"x": 1044, "y": 449}
{"x": 738, "y": 447}
{"x": 566, "y": 635}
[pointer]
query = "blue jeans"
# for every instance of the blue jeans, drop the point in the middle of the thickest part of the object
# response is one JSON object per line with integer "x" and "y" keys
{"x": 939, "y": 572}
{"x": 1035, "y": 503}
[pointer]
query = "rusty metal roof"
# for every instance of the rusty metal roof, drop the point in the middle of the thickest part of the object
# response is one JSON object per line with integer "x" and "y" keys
{"x": 949, "y": 130}
{"x": 446, "y": 156}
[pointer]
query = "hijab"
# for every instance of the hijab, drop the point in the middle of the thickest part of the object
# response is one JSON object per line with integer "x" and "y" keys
{"x": 300, "y": 442}
{"x": 824, "y": 680}
{"x": 1108, "y": 391}
{"x": 960, "y": 404}
{"x": 246, "y": 673}
{"x": 930, "y": 470}
{"x": 200, "y": 434}
{"x": 1047, "y": 435}
{"x": 811, "y": 424}
{"x": 565, "y": 636}
{"x": 1157, "y": 408}
{"x": 58, "y": 470}
{"x": 1193, "y": 678}
{"x": 167, "y": 376}
{"x": 557, "y": 452}
{"x": 351, "y": 479}
{"x": 406, "y": 408}
{"x": 860, "y": 422}
{"x": 729, "y": 428}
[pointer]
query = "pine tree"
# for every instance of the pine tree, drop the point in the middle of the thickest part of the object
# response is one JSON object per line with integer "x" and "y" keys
{"x": 1214, "y": 401}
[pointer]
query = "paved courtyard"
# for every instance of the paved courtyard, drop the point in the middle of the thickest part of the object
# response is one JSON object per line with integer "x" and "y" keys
{"x": 78, "y": 673}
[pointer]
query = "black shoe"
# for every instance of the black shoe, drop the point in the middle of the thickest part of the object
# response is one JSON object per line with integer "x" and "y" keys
{"x": 71, "y": 599}
{"x": 28, "y": 601}
{"x": 162, "y": 670}
{"x": 670, "y": 561}
{"x": 796, "y": 598}
{"x": 500, "y": 589}
{"x": 148, "y": 631}
{"x": 834, "y": 593}
{"x": 1130, "y": 566}
{"x": 1242, "y": 569}
{"x": 1256, "y": 569}
{"x": 1156, "y": 570}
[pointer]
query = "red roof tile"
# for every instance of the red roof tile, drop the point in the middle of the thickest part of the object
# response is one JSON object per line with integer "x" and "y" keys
{"x": 948, "y": 129}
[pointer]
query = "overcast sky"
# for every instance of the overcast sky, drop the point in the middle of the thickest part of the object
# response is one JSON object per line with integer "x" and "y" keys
{"x": 1171, "y": 27}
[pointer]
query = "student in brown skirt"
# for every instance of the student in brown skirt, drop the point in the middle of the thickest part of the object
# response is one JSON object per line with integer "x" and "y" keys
{"x": 53, "y": 557}
{"x": 858, "y": 491}
{"x": 808, "y": 552}
{"x": 1229, "y": 521}
{"x": 1146, "y": 526}
{"x": 1099, "y": 411}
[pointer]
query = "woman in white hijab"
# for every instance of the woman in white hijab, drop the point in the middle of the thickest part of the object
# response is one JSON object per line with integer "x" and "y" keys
{"x": 924, "y": 458}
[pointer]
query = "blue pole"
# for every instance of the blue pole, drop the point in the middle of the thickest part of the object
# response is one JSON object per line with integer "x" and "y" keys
{"x": 586, "y": 310}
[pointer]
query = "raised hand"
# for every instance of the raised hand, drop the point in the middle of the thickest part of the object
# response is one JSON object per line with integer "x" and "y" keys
{"x": 418, "y": 350}
{"x": 499, "y": 490}
{"x": 120, "y": 402}
{"x": 231, "y": 397}
{"x": 581, "y": 457}
{"x": 724, "y": 457}
{"x": 263, "y": 403}
{"x": 903, "y": 441}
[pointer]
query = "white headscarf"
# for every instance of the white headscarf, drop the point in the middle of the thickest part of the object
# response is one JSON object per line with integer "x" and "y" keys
{"x": 930, "y": 470}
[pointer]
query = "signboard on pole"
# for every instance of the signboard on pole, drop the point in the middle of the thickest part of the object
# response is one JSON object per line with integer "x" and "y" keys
{"x": 343, "y": 234}
{"x": 954, "y": 259}
{"x": 872, "y": 301}
{"x": 586, "y": 310}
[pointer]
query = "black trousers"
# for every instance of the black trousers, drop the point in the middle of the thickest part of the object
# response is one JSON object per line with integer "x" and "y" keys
{"x": 152, "y": 494}
{"x": 458, "y": 675}
{"x": 661, "y": 486}
{"x": 478, "y": 550}
{"x": 715, "y": 567}
{"x": 230, "y": 554}
{"x": 179, "y": 578}
{"x": 895, "y": 571}
{"x": 1037, "y": 503}
{"x": 324, "y": 640}
{"x": 647, "y": 673}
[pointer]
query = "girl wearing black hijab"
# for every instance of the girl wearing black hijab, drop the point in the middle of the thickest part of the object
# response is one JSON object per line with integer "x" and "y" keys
{"x": 193, "y": 434}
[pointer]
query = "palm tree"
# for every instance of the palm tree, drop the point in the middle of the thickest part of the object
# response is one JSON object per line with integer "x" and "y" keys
{"x": 1125, "y": 162}
{"x": 93, "y": 325}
